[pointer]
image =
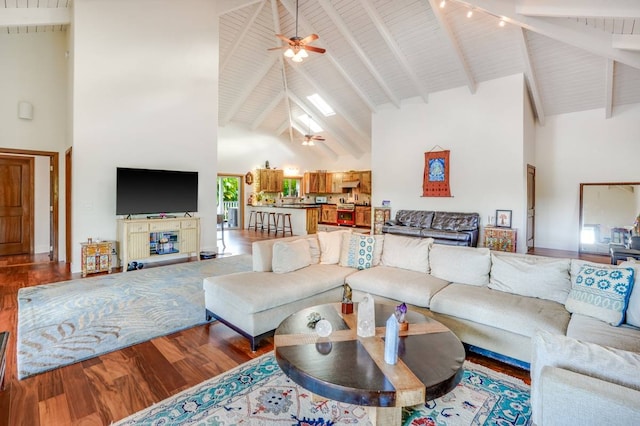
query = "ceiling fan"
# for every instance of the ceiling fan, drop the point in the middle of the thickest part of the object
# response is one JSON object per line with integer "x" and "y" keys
{"x": 297, "y": 47}
{"x": 309, "y": 138}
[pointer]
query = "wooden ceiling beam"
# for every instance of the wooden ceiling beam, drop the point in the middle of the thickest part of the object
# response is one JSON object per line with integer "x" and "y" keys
{"x": 240, "y": 38}
{"x": 454, "y": 45}
{"x": 267, "y": 110}
{"x": 566, "y": 31}
{"x": 625, "y": 41}
{"x": 532, "y": 81}
{"x": 228, "y": 6}
{"x": 350, "y": 38}
{"x": 388, "y": 38}
{"x": 609, "y": 74}
{"x": 34, "y": 16}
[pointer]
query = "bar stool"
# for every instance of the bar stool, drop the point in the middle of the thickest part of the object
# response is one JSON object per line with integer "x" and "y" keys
{"x": 256, "y": 216}
{"x": 272, "y": 221}
{"x": 283, "y": 224}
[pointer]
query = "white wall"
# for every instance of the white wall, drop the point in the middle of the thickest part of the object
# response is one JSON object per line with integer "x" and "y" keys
{"x": 34, "y": 69}
{"x": 580, "y": 147}
{"x": 483, "y": 131}
{"x": 145, "y": 95}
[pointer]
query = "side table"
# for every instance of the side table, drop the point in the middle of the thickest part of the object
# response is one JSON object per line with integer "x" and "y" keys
{"x": 96, "y": 257}
{"x": 500, "y": 239}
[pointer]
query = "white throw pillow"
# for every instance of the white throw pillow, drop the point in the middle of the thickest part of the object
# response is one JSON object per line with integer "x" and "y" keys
{"x": 360, "y": 251}
{"x": 290, "y": 256}
{"x": 532, "y": 276}
{"x": 464, "y": 265}
{"x": 314, "y": 247}
{"x": 601, "y": 292}
{"x": 330, "y": 246}
{"x": 633, "y": 308}
{"x": 406, "y": 252}
{"x": 604, "y": 363}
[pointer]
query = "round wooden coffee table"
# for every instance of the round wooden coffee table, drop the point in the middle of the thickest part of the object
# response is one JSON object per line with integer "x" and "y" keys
{"x": 347, "y": 368}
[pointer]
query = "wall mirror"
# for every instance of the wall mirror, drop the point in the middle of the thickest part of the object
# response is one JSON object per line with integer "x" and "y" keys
{"x": 607, "y": 214}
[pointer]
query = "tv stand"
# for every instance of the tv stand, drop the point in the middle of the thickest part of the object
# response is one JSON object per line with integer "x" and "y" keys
{"x": 144, "y": 239}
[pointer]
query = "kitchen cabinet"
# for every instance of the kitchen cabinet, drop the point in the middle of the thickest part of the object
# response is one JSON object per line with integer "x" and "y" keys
{"x": 329, "y": 214}
{"x": 350, "y": 176}
{"x": 365, "y": 182}
{"x": 270, "y": 180}
{"x": 336, "y": 182}
{"x": 363, "y": 216}
{"x": 312, "y": 220}
{"x": 381, "y": 215}
{"x": 319, "y": 182}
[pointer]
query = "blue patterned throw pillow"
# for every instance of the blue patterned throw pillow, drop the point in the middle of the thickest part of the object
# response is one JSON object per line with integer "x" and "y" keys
{"x": 358, "y": 251}
{"x": 602, "y": 293}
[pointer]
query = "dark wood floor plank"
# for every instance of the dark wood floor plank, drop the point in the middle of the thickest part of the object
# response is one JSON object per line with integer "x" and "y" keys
{"x": 104, "y": 389}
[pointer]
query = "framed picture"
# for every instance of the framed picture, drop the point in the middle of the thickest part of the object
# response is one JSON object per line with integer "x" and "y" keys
{"x": 503, "y": 218}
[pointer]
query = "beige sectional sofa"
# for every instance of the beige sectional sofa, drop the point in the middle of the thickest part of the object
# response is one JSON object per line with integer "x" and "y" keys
{"x": 497, "y": 303}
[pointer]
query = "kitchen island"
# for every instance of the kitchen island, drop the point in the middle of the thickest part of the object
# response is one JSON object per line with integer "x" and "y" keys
{"x": 304, "y": 217}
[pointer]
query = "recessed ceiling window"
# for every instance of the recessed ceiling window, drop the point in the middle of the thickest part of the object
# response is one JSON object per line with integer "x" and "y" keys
{"x": 321, "y": 104}
{"x": 309, "y": 123}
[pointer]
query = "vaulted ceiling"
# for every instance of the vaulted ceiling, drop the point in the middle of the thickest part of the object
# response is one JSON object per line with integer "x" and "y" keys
{"x": 575, "y": 54}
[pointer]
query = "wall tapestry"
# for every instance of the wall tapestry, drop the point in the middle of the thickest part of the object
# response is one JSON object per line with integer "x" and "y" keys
{"x": 435, "y": 182}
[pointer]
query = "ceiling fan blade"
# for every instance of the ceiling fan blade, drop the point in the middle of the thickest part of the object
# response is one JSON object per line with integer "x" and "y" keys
{"x": 278, "y": 48}
{"x": 315, "y": 49}
{"x": 283, "y": 38}
{"x": 318, "y": 138}
{"x": 309, "y": 38}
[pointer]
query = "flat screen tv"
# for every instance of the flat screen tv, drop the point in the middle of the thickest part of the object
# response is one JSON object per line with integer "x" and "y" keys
{"x": 146, "y": 191}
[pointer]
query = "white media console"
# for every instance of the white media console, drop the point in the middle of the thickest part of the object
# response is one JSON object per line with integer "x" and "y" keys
{"x": 143, "y": 239}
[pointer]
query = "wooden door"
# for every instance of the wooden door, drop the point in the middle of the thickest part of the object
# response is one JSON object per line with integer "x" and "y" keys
{"x": 531, "y": 206}
{"x": 16, "y": 205}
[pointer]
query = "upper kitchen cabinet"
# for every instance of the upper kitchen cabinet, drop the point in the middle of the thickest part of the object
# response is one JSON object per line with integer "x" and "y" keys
{"x": 319, "y": 182}
{"x": 270, "y": 180}
{"x": 365, "y": 182}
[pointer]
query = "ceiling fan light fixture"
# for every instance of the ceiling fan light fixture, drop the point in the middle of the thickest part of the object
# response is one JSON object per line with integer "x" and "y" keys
{"x": 289, "y": 53}
{"x": 310, "y": 143}
{"x": 303, "y": 53}
{"x": 297, "y": 58}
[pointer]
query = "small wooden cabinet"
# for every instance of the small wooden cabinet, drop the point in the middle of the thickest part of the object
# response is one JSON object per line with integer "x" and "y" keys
{"x": 363, "y": 216}
{"x": 500, "y": 239}
{"x": 96, "y": 257}
{"x": 329, "y": 214}
{"x": 381, "y": 215}
{"x": 320, "y": 182}
{"x": 141, "y": 239}
{"x": 365, "y": 182}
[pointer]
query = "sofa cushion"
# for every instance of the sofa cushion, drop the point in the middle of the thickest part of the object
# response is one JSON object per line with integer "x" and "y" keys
{"x": 518, "y": 314}
{"x": 411, "y": 231}
{"x": 602, "y": 293}
{"x": 361, "y": 251}
{"x": 399, "y": 284}
{"x": 446, "y": 261}
{"x": 331, "y": 246}
{"x": 601, "y": 362}
{"x": 633, "y": 308}
{"x": 406, "y": 253}
{"x": 262, "y": 251}
{"x": 533, "y": 276}
{"x": 593, "y": 330}
{"x": 450, "y": 221}
{"x": 415, "y": 218}
{"x": 445, "y": 235}
{"x": 290, "y": 256}
{"x": 252, "y": 292}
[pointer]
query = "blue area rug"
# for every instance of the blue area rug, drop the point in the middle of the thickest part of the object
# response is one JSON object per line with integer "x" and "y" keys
{"x": 259, "y": 393}
{"x": 67, "y": 322}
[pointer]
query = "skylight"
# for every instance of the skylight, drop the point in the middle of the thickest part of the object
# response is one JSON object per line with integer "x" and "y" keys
{"x": 308, "y": 121}
{"x": 321, "y": 104}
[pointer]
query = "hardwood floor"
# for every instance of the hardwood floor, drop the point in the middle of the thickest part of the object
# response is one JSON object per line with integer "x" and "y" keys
{"x": 112, "y": 386}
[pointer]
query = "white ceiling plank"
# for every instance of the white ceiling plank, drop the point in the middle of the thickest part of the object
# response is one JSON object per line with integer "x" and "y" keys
{"x": 286, "y": 125}
{"x": 240, "y": 38}
{"x": 565, "y": 30}
{"x": 335, "y": 105}
{"x": 248, "y": 88}
{"x": 349, "y": 38}
{"x": 266, "y": 111}
{"x": 349, "y": 146}
{"x": 531, "y": 78}
{"x": 354, "y": 85}
{"x": 579, "y": 8}
{"x": 453, "y": 44}
{"x": 32, "y": 16}
{"x": 395, "y": 49}
{"x": 609, "y": 73}
{"x": 283, "y": 68}
{"x": 228, "y": 6}
{"x": 625, "y": 41}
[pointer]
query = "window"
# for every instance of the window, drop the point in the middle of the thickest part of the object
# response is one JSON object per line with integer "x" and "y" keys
{"x": 309, "y": 123}
{"x": 291, "y": 187}
{"x": 321, "y": 104}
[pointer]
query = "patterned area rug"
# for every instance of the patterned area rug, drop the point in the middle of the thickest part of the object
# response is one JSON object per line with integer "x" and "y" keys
{"x": 258, "y": 393}
{"x": 69, "y": 321}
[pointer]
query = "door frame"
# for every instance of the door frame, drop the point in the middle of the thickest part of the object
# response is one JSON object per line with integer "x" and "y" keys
{"x": 530, "y": 228}
{"x": 241, "y": 206}
{"x": 53, "y": 195}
